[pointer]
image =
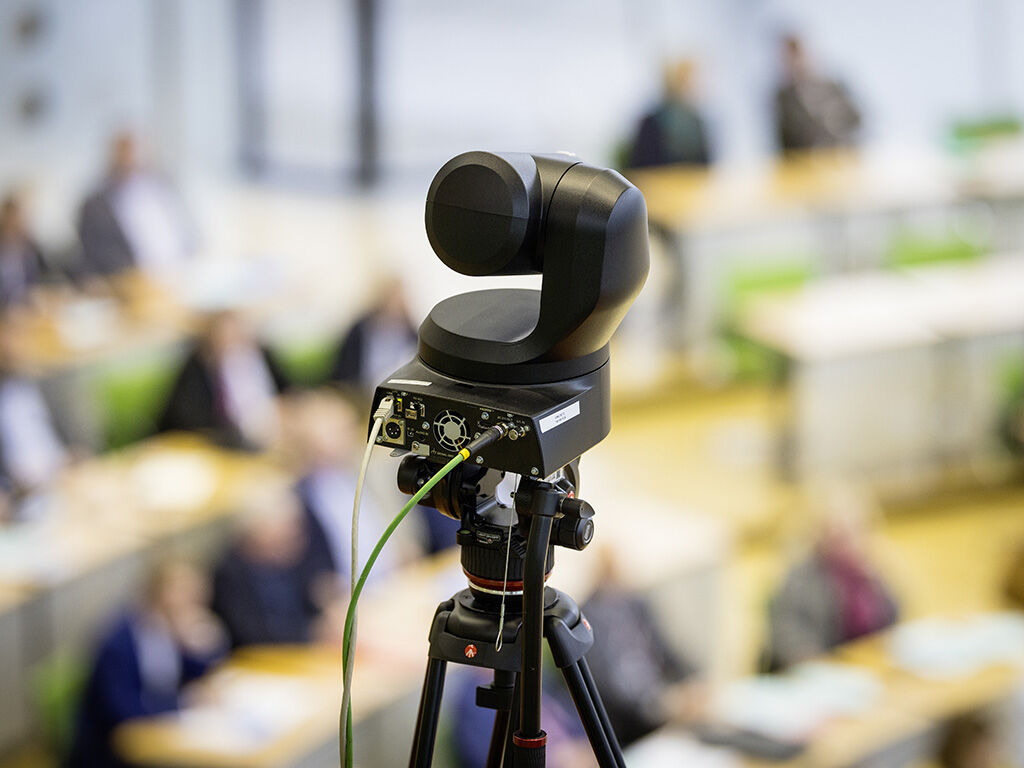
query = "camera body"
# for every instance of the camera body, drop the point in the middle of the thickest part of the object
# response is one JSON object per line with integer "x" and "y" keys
{"x": 551, "y": 424}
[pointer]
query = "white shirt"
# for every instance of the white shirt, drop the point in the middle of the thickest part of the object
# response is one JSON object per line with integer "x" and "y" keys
{"x": 148, "y": 214}
{"x": 32, "y": 451}
{"x": 332, "y": 492}
{"x": 249, "y": 394}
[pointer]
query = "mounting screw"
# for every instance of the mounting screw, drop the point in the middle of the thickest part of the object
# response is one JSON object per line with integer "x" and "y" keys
{"x": 534, "y": 470}
{"x": 479, "y": 459}
{"x": 485, "y": 415}
{"x": 380, "y": 439}
{"x": 425, "y": 425}
{"x": 415, "y": 445}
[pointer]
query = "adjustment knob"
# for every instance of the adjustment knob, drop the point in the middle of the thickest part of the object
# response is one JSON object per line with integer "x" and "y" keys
{"x": 575, "y": 528}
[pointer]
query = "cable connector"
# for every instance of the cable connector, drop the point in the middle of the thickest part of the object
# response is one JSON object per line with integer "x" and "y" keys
{"x": 386, "y": 409}
{"x": 487, "y": 437}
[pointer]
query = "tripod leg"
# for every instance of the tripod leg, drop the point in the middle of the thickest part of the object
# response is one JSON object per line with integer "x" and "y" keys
{"x": 506, "y": 681}
{"x": 602, "y": 714}
{"x": 513, "y": 726}
{"x": 428, "y": 715}
{"x": 592, "y": 724}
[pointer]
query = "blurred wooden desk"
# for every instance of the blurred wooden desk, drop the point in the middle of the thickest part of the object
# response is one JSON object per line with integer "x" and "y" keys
{"x": 899, "y": 728}
{"x": 895, "y": 376}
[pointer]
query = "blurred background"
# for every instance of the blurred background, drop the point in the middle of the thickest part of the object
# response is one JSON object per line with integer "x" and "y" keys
{"x": 810, "y": 511}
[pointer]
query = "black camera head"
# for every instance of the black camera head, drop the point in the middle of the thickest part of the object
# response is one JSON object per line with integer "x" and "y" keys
{"x": 584, "y": 229}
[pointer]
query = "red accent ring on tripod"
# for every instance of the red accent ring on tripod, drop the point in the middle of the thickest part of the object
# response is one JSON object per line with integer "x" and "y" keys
{"x": 497, "y": 584}
{"x": 534, "y": 743}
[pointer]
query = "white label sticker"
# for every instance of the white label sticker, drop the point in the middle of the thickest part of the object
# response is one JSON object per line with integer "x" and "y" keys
{"x": 409, "y": 382}
{"x": 560, "y": 417}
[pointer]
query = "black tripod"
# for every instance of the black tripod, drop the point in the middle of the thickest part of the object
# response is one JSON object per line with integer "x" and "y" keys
{"x": 465, "y": 629}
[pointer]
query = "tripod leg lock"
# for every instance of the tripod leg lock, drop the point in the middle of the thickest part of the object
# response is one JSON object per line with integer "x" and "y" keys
{"x": 529, "y": 752}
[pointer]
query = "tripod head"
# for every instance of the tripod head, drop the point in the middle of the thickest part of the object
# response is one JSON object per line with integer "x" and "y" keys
{"x": 493, "y": 507}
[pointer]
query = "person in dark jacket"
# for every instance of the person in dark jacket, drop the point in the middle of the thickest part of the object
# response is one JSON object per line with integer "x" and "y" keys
{"x": 266, "y": 588}
{"x": 145, "y": 659}
{"x": 380, "y": 341}
{"x": 673, "y": 132}
{"x": 811, "y": 111}
{"x": 227, "y": 388}
{"x": 836, "y": 593}
{"x": 22, "y": 266}
{"x": 644, "y": 683}
{"x": 133, "y": 220}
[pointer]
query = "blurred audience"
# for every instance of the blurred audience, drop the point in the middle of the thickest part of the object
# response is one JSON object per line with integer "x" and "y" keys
{"x": 134, "y": 219}
{"x": 32, "y": 447}
{"x": 324, "y": 431}
{"x": 22, "y": 266}
{"x": 267, "y": 588}
{"x": 674, "y": 131}
{"x": 228, "y": 386}
{"x": 380, "y": 341}
{"x": 643, "y": 682}
{"x": 811, "y": 111}
{"x": 146, "y": 658}
{"x": 835, "y": 594}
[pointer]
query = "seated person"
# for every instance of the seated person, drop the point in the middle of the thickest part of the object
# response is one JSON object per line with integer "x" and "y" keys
{"x": 265, "y": 590}
{"x": 133, "y": 220}
{"x": 835, "y": 594}
{"x": 811, "y": 111}
{"x": 673, "y": 132}
{"x": 32, "y": 449}
{"x": 145, "y": 659}
{"x": 324, "y": 438}
{"x": 643, "y": 682}
{"x": 22, "y": 266}
{"x": 380, "y": 341}
{"x": 228, "y": 387}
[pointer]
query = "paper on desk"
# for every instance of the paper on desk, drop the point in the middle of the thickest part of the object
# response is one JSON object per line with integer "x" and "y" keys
{"x": 252, "y": 709}
{"x": 670, "y": 749}
{"x": 175, "y": 481}
{"x": 31, "y": 552}
{"x": 792, "y": 706}
{"x": 951, "y": 648}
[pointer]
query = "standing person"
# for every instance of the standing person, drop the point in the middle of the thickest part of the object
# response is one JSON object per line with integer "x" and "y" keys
{"x": 811, "y": 110}
{"x": 145, "y": 659}
{"x": 673, "y": 132}
{"x": 134, "y": 219}
{"x": 228, "y": 387}
{"x": 381, "y": 340}
{"x": 835, "y": 594}
{"x": 22, "y": 266}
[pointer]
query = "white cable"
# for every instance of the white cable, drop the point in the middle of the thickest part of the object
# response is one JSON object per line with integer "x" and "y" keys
{"x": 384, "y": 411}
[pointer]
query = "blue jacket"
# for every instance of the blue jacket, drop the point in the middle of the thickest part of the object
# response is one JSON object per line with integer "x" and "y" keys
{"x": 116, "y": 691}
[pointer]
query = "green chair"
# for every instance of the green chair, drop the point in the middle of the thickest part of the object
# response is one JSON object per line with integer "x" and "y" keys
{"x": 909, "y": 250}
{"x": 57, "y": 686}
{"x": 131, "y": 396}
{"x": 306, "y": 362}
{"x": 750, "y": 361}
